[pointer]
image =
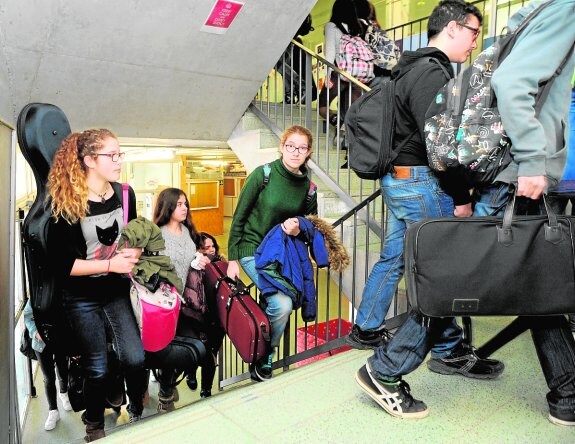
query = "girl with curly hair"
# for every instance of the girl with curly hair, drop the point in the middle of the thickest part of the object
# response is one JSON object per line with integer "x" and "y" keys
{"x": 86, "y": 205}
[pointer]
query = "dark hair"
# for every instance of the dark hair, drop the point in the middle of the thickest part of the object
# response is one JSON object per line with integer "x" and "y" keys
{"x": 447, "y": 11}
{"x": 349, "y": 12}
{"x": 166, "y": 204}
{"x": 204, "y": 236}
{"x": 306, "y": 27}
{"x": 372, "y": 14}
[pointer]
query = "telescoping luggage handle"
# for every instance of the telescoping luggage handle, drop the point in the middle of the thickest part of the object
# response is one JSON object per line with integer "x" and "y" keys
{"x": 505, "y": 233}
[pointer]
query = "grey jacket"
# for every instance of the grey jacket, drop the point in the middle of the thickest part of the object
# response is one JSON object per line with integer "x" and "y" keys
{"x": 539, "y": 146}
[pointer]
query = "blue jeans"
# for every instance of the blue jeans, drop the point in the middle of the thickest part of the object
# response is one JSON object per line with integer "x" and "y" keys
{"x": 90, "y": 319}
{"x": 551, "y": 334}
{"x": 411, "y": 343}
{"x": 569, "y": 173}
{"x": 408, "y": 201}
{"x": 279, "y": 305}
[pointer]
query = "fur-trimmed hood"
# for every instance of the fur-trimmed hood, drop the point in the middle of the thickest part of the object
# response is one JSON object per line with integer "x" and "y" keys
{"x": 337, "y": 254}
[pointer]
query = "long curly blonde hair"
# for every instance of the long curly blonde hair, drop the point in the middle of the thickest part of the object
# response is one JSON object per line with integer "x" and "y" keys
{"x": 67, "y": 178}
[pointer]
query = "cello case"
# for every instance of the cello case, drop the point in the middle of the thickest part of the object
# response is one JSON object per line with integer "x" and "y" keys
{"x": 40, "y": 128}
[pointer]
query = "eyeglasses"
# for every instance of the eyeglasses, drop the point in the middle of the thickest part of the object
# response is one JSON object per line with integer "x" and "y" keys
{"x": 114, "y": 156}
{"x": 301, "y": 149}
{"x": 475, "y": 31}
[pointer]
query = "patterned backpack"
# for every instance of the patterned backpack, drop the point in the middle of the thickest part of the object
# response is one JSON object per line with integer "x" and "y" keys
{"x": 355, "y": 58}
{"x": 385, "y": 51}
{"x": 463, "y": 127}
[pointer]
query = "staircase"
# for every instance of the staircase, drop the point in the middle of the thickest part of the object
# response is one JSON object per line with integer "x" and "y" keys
{"x": 352, "y": 204}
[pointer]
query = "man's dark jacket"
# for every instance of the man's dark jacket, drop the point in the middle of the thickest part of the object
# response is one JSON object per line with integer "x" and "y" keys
{"x": 416, "y": 87}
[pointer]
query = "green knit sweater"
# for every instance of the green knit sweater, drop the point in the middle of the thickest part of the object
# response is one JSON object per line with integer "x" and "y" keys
{"x": 261, "y": 207}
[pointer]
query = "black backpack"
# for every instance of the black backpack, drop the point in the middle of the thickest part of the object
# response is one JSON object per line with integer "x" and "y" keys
{"x": 370, "y": 128}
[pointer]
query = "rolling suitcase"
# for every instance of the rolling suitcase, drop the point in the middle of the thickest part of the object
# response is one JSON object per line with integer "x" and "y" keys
{"x": 515, "y": 266}
{"x": 40, "y": 128}
{"x": 241, "y": 317}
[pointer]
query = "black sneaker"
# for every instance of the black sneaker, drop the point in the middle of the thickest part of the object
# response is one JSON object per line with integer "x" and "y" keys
{"x": 465, "y": 362}
{"x": 562, "y": 417}
{"x": 367, "y": 340}
{"x": 134, "y": 415}
{"x": 262, "y": 369}
{"x": 395, "y": 398}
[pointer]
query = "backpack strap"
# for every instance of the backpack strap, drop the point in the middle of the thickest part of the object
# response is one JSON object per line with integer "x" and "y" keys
{"x": 542, "y": 96}
{"x": 312, "y": 186}
{"x": 434, "y": 60}
{"x": 310, "y": 192}
{"x": 125, "y": 198}
{"x": 267, "y": 172}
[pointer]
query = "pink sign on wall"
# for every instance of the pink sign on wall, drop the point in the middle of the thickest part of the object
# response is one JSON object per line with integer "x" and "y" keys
{"x": 222, "y": 15}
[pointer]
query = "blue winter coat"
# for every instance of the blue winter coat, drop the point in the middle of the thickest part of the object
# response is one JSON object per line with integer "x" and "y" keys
{"x": 283, "y": 264}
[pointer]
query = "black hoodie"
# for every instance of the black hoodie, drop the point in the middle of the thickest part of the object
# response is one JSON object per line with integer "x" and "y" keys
{"x": 416, "y": 87}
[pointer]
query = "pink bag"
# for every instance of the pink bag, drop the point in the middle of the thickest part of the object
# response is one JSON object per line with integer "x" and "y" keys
{"x": 156, "y": 314}
{"x": 157, "y": 311}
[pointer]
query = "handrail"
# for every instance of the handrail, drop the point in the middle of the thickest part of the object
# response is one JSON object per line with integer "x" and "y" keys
{"x": 358, "y": 207}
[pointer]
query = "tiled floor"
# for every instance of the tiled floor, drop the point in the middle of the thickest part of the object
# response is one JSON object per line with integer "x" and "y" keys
{"x": 322, "y": 403}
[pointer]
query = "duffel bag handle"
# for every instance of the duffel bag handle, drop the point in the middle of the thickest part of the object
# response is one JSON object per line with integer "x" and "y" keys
{"x": 505, "y": 233}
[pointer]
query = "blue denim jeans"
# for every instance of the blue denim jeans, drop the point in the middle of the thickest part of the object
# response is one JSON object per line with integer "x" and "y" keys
{"x": 279, "y": 305}
{"x": 551, "y": 334}
{"x": 408, "y": 201}
{"x": 411, "y": 343}
{"x": 90, "y": 319}
{"x": 569, "y": 173}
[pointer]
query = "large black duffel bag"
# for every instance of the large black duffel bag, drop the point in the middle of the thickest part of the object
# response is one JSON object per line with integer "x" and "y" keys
{"x": 518, "y": 265}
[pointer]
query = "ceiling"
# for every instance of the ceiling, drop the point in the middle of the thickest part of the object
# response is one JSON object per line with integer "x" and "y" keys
{"x": 142, "y": 68}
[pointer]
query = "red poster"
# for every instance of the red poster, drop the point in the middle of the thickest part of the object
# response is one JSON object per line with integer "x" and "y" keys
{"x": 222, "y": 15}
